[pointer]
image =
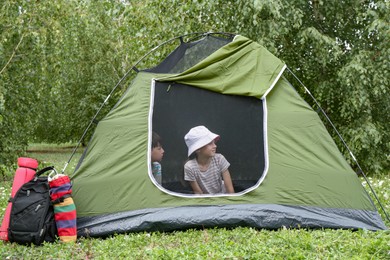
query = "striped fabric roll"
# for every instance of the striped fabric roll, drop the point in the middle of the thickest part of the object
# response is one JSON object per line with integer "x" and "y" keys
{"x": 64, "y": 210}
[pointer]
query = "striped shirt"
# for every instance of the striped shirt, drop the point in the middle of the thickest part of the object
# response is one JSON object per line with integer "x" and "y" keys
{"x": 209, "y": 181}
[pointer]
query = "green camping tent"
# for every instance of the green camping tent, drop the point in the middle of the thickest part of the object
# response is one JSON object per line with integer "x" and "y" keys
{"x": 285, "y": 167}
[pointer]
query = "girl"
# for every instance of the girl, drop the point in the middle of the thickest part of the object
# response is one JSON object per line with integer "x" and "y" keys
{"x": 208, "y": 172}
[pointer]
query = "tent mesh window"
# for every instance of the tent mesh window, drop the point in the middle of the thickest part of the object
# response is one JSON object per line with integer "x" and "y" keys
{"x": 187, "y": 54}
{"x": 237, "y": 119}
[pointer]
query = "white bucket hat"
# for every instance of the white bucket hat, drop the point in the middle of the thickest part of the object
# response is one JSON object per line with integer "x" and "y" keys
{"x": 198, "y": 137}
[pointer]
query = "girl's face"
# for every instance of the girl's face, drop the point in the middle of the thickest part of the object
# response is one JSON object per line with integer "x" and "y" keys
{"x": 208, "y": 150}
{"x": 157, "y": 153}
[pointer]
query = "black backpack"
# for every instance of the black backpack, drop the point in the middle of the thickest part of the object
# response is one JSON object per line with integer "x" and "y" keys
{"x": 32, "y": 213}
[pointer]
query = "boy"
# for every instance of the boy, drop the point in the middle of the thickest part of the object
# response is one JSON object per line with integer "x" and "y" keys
{"x": 157, "y": 154}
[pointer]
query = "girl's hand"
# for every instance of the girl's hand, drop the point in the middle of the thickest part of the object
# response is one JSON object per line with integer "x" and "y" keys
{"x": 195, "y": 187}
{"x": 228, "y": 181}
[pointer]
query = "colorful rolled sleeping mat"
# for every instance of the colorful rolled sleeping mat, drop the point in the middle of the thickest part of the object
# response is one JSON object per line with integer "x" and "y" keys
{"x": 24, "y": 173}
{"x": 64, "y": 207}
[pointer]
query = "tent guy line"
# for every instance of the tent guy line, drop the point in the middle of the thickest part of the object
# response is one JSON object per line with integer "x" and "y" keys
{"x": 344, "y": 143}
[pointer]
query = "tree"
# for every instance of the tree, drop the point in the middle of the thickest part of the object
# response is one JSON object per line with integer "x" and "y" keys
{"x": 340, "y": 51}
{"x": 16, "y": 100}
{"x": 60, "y": 59}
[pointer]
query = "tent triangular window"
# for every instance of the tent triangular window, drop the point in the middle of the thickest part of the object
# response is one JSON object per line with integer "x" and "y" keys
{"x": 239, "y": 120}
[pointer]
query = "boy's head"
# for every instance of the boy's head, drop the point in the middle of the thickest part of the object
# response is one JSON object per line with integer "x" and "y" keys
{"x": 157, "y": 150}
{"x": 198, "y": 137}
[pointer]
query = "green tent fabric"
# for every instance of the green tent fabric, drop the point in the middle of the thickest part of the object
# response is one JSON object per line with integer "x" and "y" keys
{"x": 239, "y": 68}
{"x": 302, "y": 181}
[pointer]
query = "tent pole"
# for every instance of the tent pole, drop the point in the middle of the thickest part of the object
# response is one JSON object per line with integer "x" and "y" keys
{"x": 344, "y": 143}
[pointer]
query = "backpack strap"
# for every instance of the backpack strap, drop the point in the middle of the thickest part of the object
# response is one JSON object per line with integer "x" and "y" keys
{"x": 42, "y": 171}
{"x": 61, "y": 199}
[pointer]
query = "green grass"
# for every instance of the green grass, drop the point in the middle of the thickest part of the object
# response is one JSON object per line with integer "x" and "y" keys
{"x": 237, "y": 243}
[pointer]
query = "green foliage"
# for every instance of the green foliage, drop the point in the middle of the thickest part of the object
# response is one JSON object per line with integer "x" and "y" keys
{"x": 60, "y": 59}
{"x": 358, "y": 91}
{"x": 381, "y": 186}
